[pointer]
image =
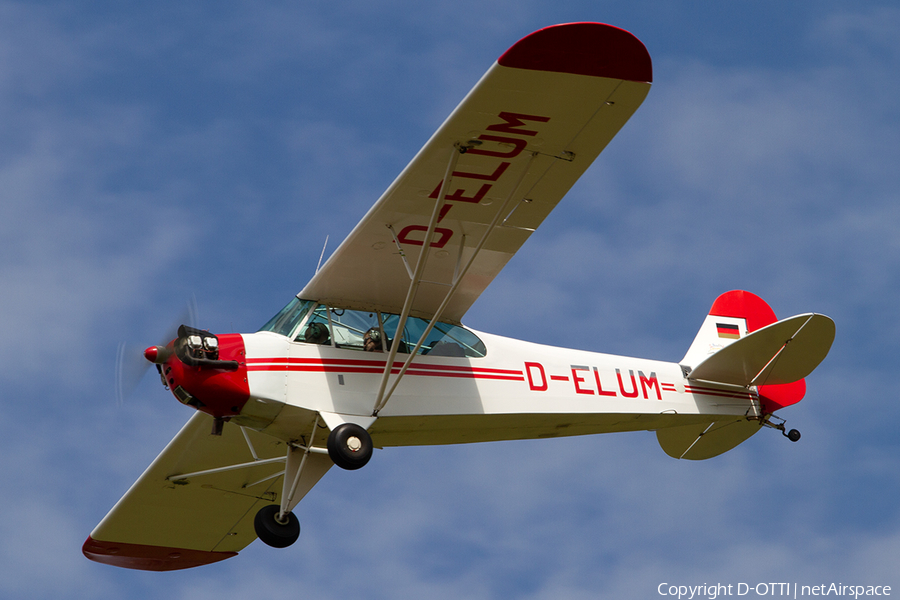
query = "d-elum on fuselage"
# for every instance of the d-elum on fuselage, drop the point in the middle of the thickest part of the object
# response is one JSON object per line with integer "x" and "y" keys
{"x": 460, "y": 387}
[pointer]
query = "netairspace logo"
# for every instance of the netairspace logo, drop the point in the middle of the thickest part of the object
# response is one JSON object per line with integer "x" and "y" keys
{"x": 793, "y": 590}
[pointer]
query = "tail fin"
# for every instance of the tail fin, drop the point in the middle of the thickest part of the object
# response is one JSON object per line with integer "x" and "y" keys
{"x": 732, "y": 317}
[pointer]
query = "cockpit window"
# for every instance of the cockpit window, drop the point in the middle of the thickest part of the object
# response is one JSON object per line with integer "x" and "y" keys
{"x": 444, "y": 339}
{"x": 371, "y": 331}
{"x": 345, "y": 328}
{"x": 350, "y": 327}
{"x": 288, "y": 317}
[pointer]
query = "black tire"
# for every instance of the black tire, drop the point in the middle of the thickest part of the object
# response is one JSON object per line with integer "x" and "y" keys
{"x": 273, "y": 533}
{"x": 793, "y": 435}
{"x": 350, "y": 446}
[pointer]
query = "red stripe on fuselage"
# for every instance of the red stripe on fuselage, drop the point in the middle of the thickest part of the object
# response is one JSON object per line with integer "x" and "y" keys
{"x": 376, "y": 367}
{"x": 704, "y": 391}
{"x": 312, "y": 365}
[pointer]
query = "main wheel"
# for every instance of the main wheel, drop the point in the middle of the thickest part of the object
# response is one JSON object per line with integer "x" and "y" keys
{"x": 793, "y": 435}
{"x": 349, "y": 446}
{"x": 271, "y": 531}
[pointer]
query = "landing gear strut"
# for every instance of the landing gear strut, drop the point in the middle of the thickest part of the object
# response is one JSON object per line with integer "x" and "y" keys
{"x": 275, "y": 524}
{"x": 349, "y": 446}
{"x": 792, "y": 435}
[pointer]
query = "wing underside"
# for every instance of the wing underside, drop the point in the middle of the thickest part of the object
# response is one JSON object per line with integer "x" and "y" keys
{"x": 491, "y": 173}
{"x": 196, "y": 502}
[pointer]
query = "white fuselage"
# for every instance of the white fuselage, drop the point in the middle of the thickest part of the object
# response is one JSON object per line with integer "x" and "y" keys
{"x": 519, "y": 390}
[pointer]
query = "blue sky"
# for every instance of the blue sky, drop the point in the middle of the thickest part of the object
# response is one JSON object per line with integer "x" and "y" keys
{"x": 150, "y": 153}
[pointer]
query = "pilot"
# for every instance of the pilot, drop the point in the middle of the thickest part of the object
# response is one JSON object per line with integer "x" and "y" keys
{"x": 372, "y": 340}
{"x": 316, "y": 333}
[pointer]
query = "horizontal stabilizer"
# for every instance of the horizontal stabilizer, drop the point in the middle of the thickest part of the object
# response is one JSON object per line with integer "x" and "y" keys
{"x": 705, "y": 440}
{"x": 783, "y": 352}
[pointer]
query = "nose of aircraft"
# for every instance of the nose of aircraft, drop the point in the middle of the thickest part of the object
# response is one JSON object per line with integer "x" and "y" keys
{"x": 205, "y": 371}
{"x": 158, "y": 354}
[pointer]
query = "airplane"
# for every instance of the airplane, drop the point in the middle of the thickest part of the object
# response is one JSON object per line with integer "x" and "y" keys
{"x": 372, "y": 352}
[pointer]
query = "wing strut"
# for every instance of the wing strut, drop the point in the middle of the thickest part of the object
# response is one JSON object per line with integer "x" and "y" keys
{"x": 257, "y": 461}
{"x": 296, "y": 452}
{"x": 416, "y": 276}
{"x": 383, "y": 397}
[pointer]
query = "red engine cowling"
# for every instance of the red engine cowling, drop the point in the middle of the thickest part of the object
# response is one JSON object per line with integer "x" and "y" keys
{"x": 205, "y": 371}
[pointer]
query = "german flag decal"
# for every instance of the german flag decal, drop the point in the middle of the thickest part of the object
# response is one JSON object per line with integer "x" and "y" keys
{"x": 728, "y": 331}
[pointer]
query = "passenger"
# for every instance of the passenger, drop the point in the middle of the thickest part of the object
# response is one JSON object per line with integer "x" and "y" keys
{"x": 372, "y": 340}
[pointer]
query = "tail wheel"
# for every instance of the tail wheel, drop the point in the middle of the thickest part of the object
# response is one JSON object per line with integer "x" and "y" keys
{"x": 349, "y": 446}
{"x": 274, "y": 532}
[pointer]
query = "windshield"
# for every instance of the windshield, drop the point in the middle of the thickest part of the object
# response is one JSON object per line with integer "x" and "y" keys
{"x": 288, "y": 317}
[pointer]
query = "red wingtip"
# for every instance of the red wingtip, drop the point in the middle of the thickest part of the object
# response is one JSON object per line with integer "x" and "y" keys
{"x": 594, "y": 49}
{"x": 149, "y": 558}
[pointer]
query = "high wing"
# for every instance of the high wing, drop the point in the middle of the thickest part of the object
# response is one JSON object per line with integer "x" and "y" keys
{"x": 195, "y": 503}
{"x": 514, "y": 146}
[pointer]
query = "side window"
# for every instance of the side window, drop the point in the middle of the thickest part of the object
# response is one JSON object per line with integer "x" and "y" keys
{"x": 374, "y": 332}
{"x": 390, "y": 330}
{"x": 443, "y": 339}
{"x": 450, "y": 340}
{"x": 342, "y": 328}
{"x": 350, "y": 326}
